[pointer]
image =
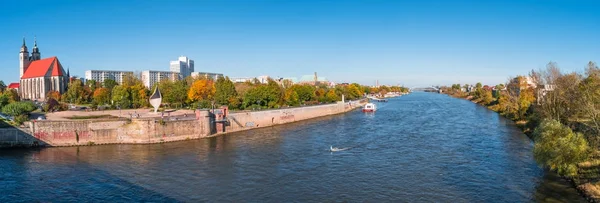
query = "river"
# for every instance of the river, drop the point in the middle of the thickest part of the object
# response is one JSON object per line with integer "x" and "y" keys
{"x": 423, "y": 147}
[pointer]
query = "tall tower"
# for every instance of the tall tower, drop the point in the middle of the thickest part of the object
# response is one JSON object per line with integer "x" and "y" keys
{"x": 35, "y": 54}
{"x": 23, "y": 58}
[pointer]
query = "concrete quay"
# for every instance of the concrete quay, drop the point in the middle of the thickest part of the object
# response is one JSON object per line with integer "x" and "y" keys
{"x": 148, "y": 129}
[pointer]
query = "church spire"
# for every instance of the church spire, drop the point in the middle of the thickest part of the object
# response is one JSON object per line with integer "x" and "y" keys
{"x": 35, "y": 54}
{"x": 23, "y": 47}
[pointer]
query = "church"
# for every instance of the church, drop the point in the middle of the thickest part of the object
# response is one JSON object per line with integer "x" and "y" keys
{"x": 40, "y": 76}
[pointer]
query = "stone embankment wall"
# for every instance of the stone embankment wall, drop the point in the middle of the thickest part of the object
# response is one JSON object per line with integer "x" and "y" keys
{"x": 144, "y": 131}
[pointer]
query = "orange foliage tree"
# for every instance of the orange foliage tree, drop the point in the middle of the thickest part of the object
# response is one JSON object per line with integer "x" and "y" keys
{"x": 101, "y": 95}
{"x": 53, "y": 95}
{"x": 202, "y": 89}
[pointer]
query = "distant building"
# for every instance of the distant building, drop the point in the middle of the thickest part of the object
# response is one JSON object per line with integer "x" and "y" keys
{"x": 40, "y": 76}
{"x": 313, "y": 80}
{"x": 213, "y": 76}
{"x": 101, "y": 75}
{"x": 149, "y": 77}
{"x": 241, "y": 79}
{"x": 264, "y": 79}
{"x": 184, "y": 66}
{"x": 14, "y": 86}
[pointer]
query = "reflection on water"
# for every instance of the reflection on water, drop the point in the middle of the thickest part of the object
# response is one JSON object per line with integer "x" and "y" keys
{"x": 423, "y": 147}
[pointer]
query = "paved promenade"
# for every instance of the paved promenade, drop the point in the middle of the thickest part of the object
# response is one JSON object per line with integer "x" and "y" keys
{"x": 125, "y": 113}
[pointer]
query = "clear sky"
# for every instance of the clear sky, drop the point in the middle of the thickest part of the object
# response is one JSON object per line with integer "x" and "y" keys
{"x": 415, "y": 43}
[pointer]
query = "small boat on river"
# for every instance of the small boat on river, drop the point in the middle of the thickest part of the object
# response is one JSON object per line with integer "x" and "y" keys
{"x": 369, "y": 107}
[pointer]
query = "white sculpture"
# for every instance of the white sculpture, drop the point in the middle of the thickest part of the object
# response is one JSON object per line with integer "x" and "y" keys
{"x": 156, "y": 99}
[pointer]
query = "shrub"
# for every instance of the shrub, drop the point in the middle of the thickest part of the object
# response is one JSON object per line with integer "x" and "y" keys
{"x": 18, "y": 108}
{"x": 559, "y": 148}
{"x": 20, "y": 119}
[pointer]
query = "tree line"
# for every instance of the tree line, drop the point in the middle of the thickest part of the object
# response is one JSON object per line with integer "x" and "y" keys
{"x": 559, "y": 110}
{"x": 203, "y": 92}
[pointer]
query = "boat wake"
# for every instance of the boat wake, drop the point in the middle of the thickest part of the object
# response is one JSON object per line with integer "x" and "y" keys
{"x": 335, "y": 149}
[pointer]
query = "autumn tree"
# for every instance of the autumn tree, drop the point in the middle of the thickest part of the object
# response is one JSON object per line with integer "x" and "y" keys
{"x": 202, "y": 89}
{"x": 53, "y": 95}
{"x": 287, "y": 83}
{"x": 139, "y": 95}
{"x": 291, "y": 98}
{"x": 332, "y": 96}
{"x": 101, "y": 96}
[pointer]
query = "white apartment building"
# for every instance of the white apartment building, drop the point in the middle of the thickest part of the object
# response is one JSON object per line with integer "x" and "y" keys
{"x": 184, "y": 66}
{"x": 149, "y": 77}
{"x": 101, "y": 75}
{"x": 241, "y": 79}
{"x": 264, "y": 79}
{"x": 213, "y": 76}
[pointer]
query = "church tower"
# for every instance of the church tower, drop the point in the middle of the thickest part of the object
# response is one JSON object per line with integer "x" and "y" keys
{"x": 35, "y": 54}
{"x": 23, "y": 58}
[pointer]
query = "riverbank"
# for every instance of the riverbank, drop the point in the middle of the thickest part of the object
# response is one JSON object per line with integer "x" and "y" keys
{"x": 200, "y": 124}
{"x": 586, "y": 182}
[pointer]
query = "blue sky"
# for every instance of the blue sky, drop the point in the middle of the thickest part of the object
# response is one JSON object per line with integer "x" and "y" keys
{"x": 414, "y": 43}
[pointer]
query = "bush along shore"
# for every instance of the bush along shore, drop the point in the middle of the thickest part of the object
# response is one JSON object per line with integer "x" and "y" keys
{"x": 559, "y": 111}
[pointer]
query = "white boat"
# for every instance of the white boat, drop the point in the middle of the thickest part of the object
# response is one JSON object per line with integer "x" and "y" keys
{"x": 369, "y": 107}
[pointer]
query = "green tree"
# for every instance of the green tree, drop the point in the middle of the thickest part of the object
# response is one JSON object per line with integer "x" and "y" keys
{"x": 4, "y": 100}
{"x": 263, "y": 96}
{"x": 110, "y": 84}
{"x": 305, "y": 92}
{"x": 19, "y": 108}
{"x": 92, "y": 84}
{"x": 13, "y": 95}
{"x": 225, "y": 90}
{"x": 121, "y": 97}
{"x": 75, "y": 93}
{"x": 2, "y": 86}
{"x": 559, "y": 148}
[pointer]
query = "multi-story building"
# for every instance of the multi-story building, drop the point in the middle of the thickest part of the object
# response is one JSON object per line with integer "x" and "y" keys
{"x": 101, "y": 75}
{"x": 213, "y": 76}
{"x": 241, "y": 79}
{"x": 264, "y": 79}
{"x": 149, "y": 77}
{"x": 184, "y": 66}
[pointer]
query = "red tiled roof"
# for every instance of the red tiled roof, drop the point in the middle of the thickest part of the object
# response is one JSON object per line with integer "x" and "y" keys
{"x": 14, "y": 85}
{"x": 44, "y": 67}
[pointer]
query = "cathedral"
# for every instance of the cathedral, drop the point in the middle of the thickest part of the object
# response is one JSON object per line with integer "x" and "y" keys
{"x": 40, "y": 76}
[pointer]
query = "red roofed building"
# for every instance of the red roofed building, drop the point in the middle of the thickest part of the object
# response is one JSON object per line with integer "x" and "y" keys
{"x": 14, "y": 85}
{"x": 40, "y": 76}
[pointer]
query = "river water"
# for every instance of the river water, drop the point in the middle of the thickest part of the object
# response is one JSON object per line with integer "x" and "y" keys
{"x": 423, "y": 147}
